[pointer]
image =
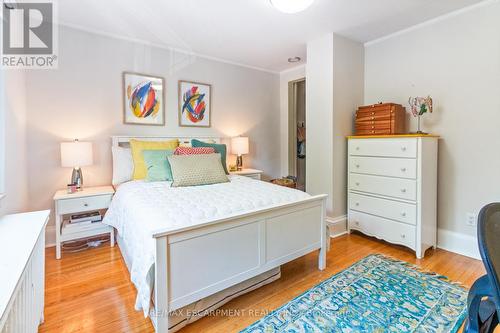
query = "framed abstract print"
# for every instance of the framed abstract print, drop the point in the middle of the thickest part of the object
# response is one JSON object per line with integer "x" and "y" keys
{"x": 195, "y": 104}
{"x": 143, "y": 97}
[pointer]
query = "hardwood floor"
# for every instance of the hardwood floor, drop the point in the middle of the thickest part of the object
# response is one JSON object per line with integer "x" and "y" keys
{"x": 90, "y": 291}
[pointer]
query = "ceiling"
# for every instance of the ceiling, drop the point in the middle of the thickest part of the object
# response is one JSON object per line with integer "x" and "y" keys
{"x": 248, "y": 32}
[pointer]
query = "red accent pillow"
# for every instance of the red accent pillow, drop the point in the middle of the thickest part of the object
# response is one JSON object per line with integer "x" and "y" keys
{"x": 194, "y": 150}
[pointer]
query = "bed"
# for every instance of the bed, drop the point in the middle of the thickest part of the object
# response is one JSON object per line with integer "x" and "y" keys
{"x": 198, "y": 242}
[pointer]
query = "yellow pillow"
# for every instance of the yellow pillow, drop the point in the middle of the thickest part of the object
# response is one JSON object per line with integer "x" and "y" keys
{"x": 140, "y": 170}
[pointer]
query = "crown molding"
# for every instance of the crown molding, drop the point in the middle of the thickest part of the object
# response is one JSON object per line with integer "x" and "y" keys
{"x": 435, "y": 20}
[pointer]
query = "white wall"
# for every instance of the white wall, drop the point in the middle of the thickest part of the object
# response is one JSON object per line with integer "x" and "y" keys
{"x": 457, "y": 61}
{"x": 14, "y": 134}
{"x": 348, "y": 84}
{"x": 319, "y": 118}
{"x": 83, "y": 99}
{"x": 285, "y": 77}
{"x": 334, "y": 81}
{"x": 2, "y": 138}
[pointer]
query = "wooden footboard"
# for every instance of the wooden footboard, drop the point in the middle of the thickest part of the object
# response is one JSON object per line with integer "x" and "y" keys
{"x": 195, "y": 262}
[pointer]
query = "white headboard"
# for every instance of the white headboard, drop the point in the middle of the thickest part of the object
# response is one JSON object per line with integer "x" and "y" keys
{"x": 124, "y": 141}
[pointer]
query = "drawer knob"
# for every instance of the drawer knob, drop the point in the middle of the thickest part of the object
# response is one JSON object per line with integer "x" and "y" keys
{"x": 357, "y": 148}
{"x": 403, "y": 148}
{"x": 86, "y": 204}
{"x": 356, "y": 223}
{"x": 357, "y": 165}
{"x": 403, "y": 236}
{"x": 403, "y": 169}
{"x": 357, "y": 184}
{"x": 357, "y": 203}
{"x": 403, "y": 190}
{"x": 403, "y": 214}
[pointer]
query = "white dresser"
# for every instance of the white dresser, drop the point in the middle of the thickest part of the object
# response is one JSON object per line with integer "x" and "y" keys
{"x": 392, "y": 188}
{"x": 22, "y": 271}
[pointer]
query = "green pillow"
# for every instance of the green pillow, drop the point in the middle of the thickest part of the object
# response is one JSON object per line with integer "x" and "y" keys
{"x": 157, "y": 165}
{"x": 219, "y": 148}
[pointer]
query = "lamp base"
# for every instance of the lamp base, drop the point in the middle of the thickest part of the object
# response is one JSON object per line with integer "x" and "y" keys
{"x": 239, "y": 163}
{"x": 77, "y": 178}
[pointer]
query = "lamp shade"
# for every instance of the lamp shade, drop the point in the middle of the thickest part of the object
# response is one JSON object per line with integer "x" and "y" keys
{"x": 76, "y": 154}
{"x": 239, "y": 145}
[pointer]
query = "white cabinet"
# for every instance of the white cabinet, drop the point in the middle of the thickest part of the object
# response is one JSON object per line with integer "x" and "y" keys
{"x": 22, "y": 271}
{"x": 392, "y": 189}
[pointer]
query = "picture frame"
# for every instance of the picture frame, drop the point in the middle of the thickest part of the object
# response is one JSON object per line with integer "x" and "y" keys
{"x": 195, "y": 104}
{"x": 143, "y": 99}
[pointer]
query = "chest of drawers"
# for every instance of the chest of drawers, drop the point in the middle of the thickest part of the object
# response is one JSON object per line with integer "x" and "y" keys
{"x": 392, "y": 189}
{"x": 387, "y": 118}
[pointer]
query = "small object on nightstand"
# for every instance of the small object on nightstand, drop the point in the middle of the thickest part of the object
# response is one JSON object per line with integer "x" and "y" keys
{"x": 250, "y": 173}
{"x": 232, "y": 167}
{"x": 72, "y": 188}
{"x": 239, "y": 147}
{"x": 87, "y": 200}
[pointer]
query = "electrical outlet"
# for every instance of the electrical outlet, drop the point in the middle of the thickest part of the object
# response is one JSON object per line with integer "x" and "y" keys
{"x": 471, "y": 219}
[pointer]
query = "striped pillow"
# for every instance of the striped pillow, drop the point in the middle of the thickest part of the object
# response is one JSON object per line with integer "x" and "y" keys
{"x": 193, "y": 150}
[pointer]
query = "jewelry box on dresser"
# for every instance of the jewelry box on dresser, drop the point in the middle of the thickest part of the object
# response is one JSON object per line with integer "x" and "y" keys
{"x": 392, "y": 189}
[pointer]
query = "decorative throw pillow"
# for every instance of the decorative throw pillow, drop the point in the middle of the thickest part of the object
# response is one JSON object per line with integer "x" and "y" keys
{"x": 193, "y": 150}
{"x": 193, "y": 170}
{"x": 157, "y": 165}
{"x": 219, "y": 148}
{"x": 123, "y": 166}
{"x": 140, "y": 171}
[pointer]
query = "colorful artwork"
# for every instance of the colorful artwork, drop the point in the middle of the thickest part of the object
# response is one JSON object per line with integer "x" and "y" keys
{"x": 194, "y": 104}
{"x": 143, "y": 99}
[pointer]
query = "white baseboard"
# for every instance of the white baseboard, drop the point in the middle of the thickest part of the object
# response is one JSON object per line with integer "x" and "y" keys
{"x": 50, "y": 235}
{"x": 465, "y": 245}
{"x": 338, "y": 225}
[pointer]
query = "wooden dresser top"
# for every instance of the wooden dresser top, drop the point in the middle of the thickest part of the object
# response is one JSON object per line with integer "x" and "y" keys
{"x": 392, "y": 136}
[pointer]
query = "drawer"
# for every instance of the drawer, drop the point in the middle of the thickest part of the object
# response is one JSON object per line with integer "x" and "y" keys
{"x": 392, "y": 187}
{"x": 394, "y": 210}
{"x": 391, "y": 231}
{"x": 386, "y": 131}
{"x": 372, "y": 116}
{"x": 76, "y": 205}
{"x": 254, "y": 176}
{"x": 400, "y": 147}
{"x": 383, "y": 166}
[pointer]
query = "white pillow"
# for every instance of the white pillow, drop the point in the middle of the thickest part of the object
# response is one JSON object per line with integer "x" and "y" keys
{"x": 123, "y": 165}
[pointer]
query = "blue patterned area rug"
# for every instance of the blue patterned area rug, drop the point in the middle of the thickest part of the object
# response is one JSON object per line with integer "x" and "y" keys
{"x": 376, "y": 294}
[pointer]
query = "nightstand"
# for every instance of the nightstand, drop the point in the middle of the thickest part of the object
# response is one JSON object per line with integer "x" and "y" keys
{"x": 88, "y": 199}
{"x": 250, "y": 173}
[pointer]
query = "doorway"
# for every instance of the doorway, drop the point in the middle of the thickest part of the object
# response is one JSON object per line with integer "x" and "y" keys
{"x": 297, "y": 131}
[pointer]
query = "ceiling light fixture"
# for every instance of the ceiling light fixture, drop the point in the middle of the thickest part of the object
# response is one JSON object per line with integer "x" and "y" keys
{"x": 291, "y": 6}
{"x": 294, "y": 59}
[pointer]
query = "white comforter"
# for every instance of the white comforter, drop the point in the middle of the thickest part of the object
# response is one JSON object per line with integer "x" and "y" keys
{"x": 140, "y": 208}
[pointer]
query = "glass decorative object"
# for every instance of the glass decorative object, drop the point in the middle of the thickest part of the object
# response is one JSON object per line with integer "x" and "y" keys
{"x": 419, "y": 106}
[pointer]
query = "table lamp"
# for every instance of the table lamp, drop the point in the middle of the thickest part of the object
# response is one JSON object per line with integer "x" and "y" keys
{"x": 239, "y": 146}
{"x": 75, "y": 155}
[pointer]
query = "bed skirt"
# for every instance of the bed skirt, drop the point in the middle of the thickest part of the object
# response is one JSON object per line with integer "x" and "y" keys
{"x": 207, "y": 306}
